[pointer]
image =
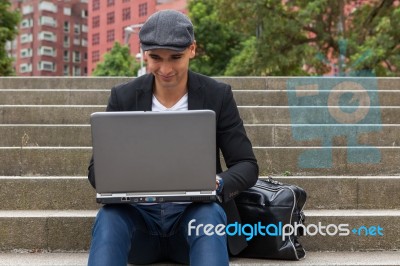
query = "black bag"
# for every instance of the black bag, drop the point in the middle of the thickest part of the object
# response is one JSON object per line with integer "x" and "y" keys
{"x": 272, "y": 203}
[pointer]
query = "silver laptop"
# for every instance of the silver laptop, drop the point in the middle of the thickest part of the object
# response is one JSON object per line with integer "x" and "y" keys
{"x": 144, "y": 157}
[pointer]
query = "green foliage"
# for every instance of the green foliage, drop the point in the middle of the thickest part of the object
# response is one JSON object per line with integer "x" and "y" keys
{"x": 217, "y": 42}
{"x": 245, "y": 59}
{"x": 8, "y": 31}
{"x": 299, "y": 37}
{"x": 375, "y": 39}
{"x": 287, "y": 173}
{"x": 117, "y": 62}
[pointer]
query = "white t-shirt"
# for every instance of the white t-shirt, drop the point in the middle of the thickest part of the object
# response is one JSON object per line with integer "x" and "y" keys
{"x": 181, "y": 105}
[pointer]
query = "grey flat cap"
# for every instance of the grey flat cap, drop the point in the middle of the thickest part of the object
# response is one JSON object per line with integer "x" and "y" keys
{"x": 167, "y": 29}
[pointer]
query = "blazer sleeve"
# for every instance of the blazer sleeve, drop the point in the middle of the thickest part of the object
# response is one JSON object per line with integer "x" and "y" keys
{"x": 236, "y": 149}
{"x": 111, "y": 106}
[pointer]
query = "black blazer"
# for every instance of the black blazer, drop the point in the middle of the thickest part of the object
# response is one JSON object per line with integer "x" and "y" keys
{"x": 231, "y": 139}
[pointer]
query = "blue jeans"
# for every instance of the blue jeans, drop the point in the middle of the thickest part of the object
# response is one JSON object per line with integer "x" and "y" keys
{"x": 144, "y": 234}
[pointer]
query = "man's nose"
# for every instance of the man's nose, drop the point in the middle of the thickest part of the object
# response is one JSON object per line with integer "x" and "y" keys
{"x": 166, "y": 68}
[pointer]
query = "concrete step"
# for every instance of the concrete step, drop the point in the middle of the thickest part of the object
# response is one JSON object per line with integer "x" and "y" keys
{"x": 348, "y": 192}
{"x": 319, "y": 115}
{"x": 61, "y": 83}
{"x": 328, "y": 160}
{"x": 46, "y": 230}
{"x": 242, "y": 97}
{"x": 70, "y": 230}
{"x": 44, "y": 161}
{"x": 53, "y": 135}
{"x": 264, "y": 135}
{"x": 323, "y": 192}
{"x": 381, "y": 258}
{"x": 79, "y": 114}
{"x": 54, "y": 97}
{"x": 47, "y": 114}
{"x": 73, "y": 161}
{"x": 237, "y": 83}
{"x": 47, "y": 193}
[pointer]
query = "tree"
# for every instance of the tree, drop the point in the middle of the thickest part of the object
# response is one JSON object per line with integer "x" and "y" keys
{"x": 8, "y": 31}
{"x": 303, "y": 37}
{"x": 217, "y": 42}
{"x": 117, "y": 62}
{"x": 375, "y": 42}
{"x": 242, "y": 64}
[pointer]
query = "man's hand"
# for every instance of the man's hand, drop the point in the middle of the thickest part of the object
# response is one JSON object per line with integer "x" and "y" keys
{"x": 219, "y": 185}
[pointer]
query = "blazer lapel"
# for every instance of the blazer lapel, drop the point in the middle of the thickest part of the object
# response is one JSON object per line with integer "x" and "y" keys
{"x": 144, "y": 95}
{"x": 196, "y": 97}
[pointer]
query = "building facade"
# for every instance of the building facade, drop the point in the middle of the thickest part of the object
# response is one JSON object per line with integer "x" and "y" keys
{"x": 53, "y": 38}
{"x": 108, "y": 20}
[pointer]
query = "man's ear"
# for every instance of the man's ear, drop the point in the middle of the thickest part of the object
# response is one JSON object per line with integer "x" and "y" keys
{"x": 192, "y": 50}
{"x": 145, "y": 56}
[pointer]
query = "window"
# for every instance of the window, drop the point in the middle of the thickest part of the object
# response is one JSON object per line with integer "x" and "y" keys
{"x": 96, "y": 4}
{"x": 26, "y": 52}
{"x": 126, "y": 13}
{"x": 48, "y": 6}
{"x": 96, "y": 22}
{"x": 66, "y": 70}
{"x": 67, "y": 11}
{"x": 77, "y": 28}
{"x": 76, "y": 71}
{"x": 110, "y": 2}
{"x": 110, "y": 17}
{"x": 49, "y": 21}
{"x": 110, "y": 35}
{"x": 84, "y": 42}
{"x": 77, "y": 56}
{"x": 27, "y": 10}
{"x": 46, "y": 50}
{"x": 46, "y": 66}
{"x": 66, "y": 56}
{"x": 47, "y": 36}
{"x": 143, "y": 10}
{"x": 66, "y": 26}
{"x": 85, "y": 56}
{"x": 77, "y": 41}
{"x": 23, "y": 68}
{"x": 66, "y": 41}
{"x": 11, "y": 45}
{"x": 27, "y": 23}
{"x": 26, "y": 38}
{"x": 95, "y": 56}
{"x": 84, "y": 28}
{"x": 95, "y": 38}
{"x": 84, "y": 13}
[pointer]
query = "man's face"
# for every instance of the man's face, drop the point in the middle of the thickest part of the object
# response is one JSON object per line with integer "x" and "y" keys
{"x": 170, "y": 67}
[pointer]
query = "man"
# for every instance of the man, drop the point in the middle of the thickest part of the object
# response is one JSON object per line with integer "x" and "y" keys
{"x": 143, "y": 234}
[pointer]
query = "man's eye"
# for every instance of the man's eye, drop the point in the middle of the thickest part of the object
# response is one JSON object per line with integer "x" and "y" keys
{"x": 177, "y": 57}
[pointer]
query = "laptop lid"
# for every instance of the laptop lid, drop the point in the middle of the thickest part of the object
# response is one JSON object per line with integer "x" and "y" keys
{"x": 150, "y": 153}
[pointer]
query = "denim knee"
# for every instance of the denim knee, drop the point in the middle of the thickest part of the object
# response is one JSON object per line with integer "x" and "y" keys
{"x": 205, "y": 213}
{"x": 113, "y": 219}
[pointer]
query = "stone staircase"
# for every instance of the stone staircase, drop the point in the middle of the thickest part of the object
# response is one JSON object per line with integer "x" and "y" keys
{"x": 48, "y": 206}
